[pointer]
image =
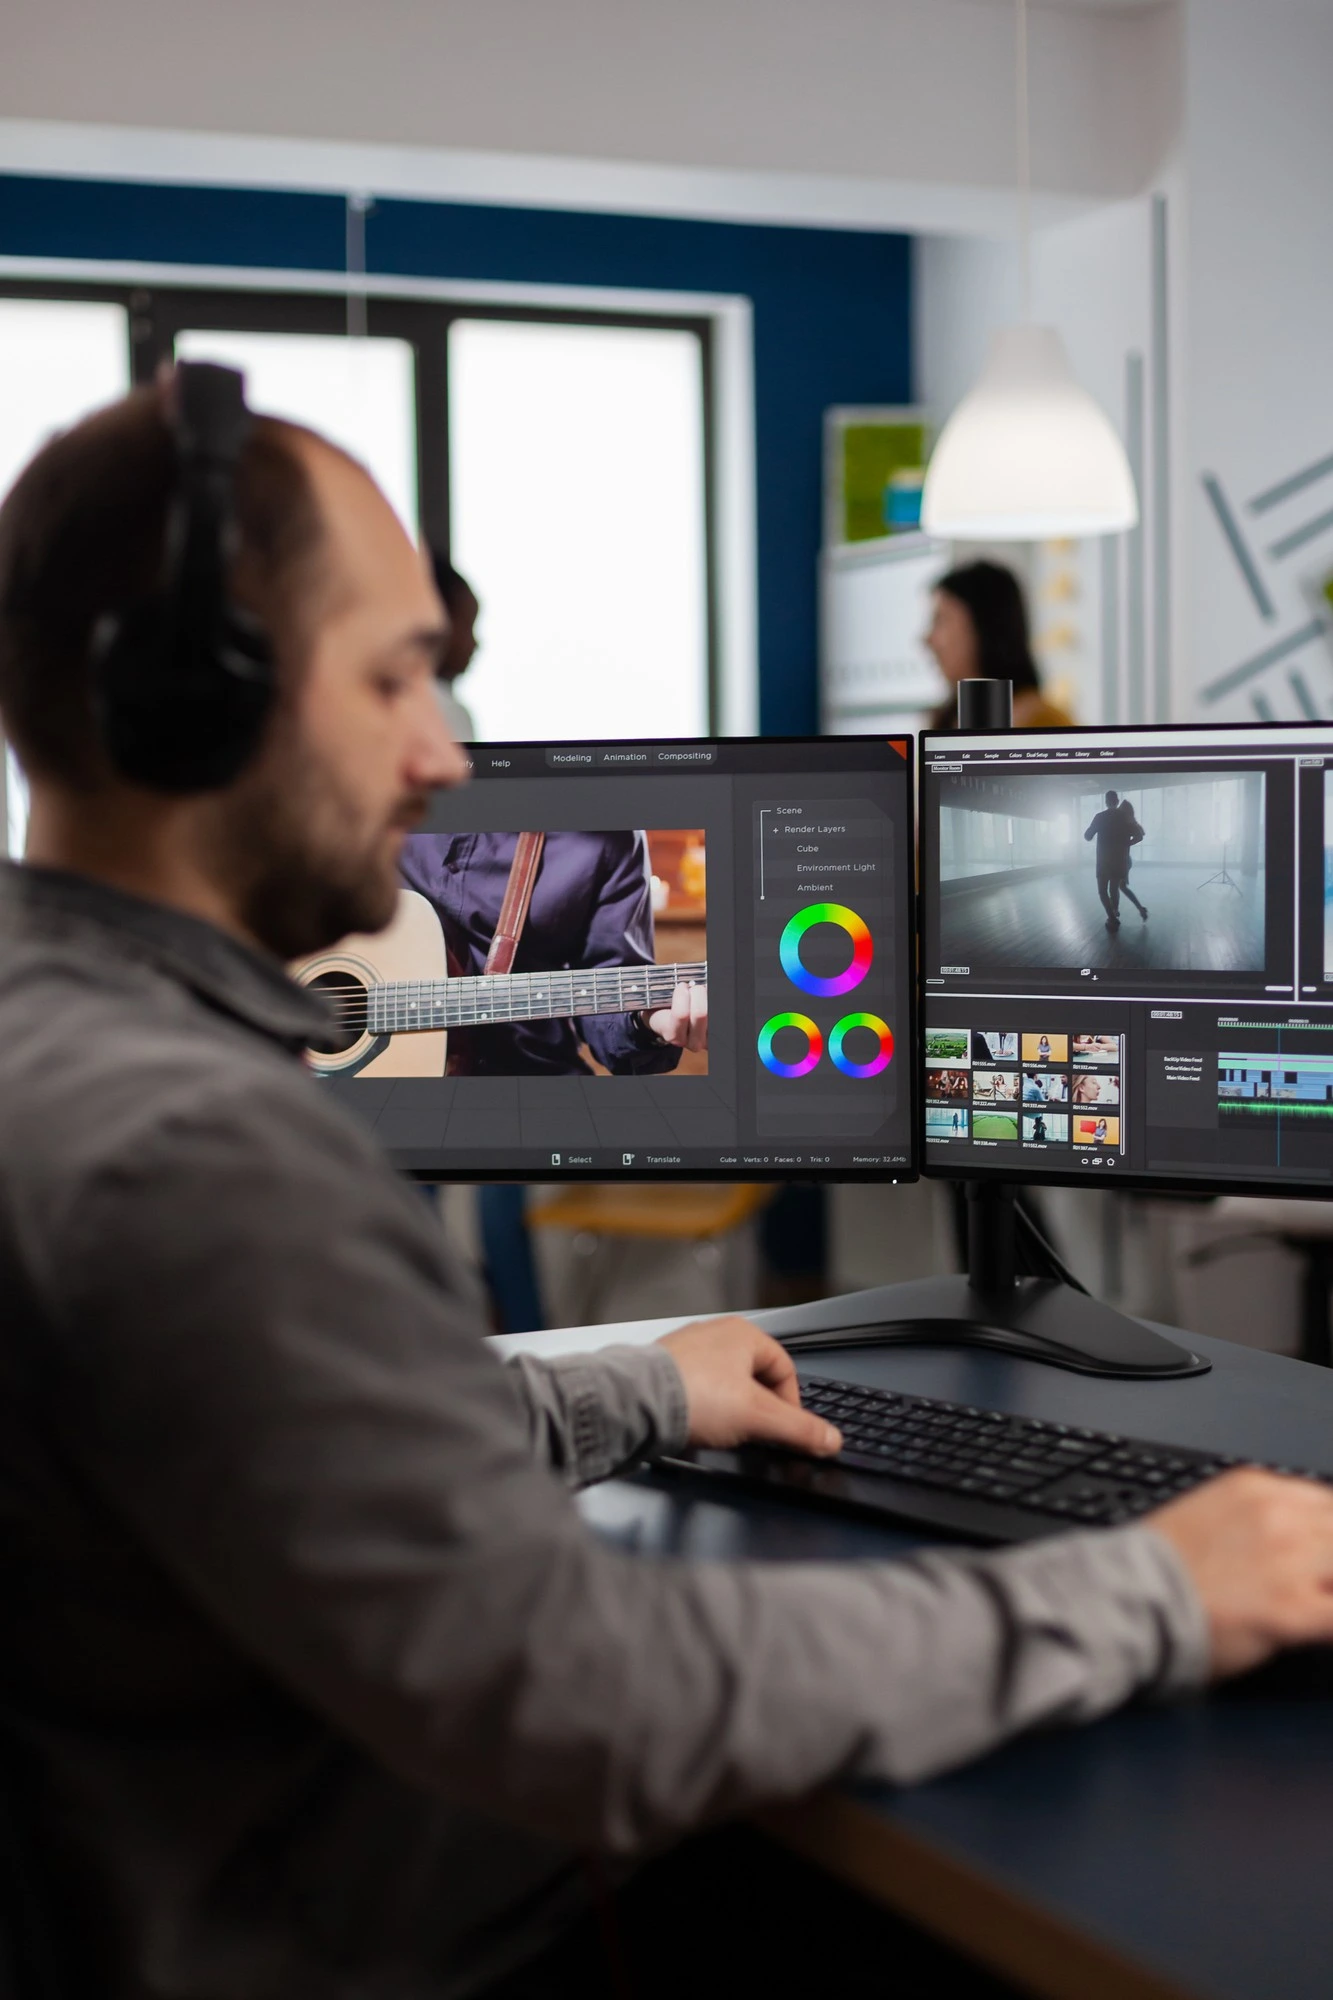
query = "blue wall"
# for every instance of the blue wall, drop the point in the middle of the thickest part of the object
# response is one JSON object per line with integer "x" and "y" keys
{"x": 832, "y": 321}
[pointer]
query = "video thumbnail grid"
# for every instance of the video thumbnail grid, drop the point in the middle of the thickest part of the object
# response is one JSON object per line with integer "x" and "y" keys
{"x": 1040, "y": 1090}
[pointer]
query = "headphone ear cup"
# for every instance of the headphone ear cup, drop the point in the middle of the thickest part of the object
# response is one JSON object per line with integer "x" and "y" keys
{"x": 180, "y": 725}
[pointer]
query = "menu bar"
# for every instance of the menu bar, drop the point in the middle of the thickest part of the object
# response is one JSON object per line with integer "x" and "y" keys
{"x": 531, "y": 1164}
{"x": 631, "y": 757}
{"x": 681, "y": 759}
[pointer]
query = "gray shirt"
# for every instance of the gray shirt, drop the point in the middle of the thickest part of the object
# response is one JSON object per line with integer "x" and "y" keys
{"x": 314, "y": 1679}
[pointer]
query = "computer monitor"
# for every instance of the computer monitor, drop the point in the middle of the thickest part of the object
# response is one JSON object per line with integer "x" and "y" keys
{"x": 1127, "y": 957}
{"x": 771, "y": 878}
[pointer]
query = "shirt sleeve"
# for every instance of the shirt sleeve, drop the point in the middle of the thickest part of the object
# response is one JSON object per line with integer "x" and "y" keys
{"x": 256, "y": 1363}
{"x": 621, "y": 932}
{"x": 590, "y": 1415}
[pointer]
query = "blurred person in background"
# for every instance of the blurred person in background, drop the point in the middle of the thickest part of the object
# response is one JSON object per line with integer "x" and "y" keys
{"x": 979, "y": 630}
{"x": 460, "y": 601}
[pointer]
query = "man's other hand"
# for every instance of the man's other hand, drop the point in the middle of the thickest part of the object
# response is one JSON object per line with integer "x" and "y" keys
{"x": 684, "y": 1024}
{"x": 1259, "y": 1548}
{"x": 741, "y": 1388}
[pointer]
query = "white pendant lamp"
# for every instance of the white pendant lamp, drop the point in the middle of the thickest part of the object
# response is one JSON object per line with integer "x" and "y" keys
{"x": 1028, "y": 454}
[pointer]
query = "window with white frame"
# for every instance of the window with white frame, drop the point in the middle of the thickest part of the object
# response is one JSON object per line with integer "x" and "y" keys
{"x": 59, "y": 359}
{"x": 576, "y": 477}
{"x": 559, "y": 458}
{"x": 360, "y": 392}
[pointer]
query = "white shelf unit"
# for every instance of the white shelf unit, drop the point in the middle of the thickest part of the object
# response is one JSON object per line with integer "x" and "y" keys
{"x": 874, "y": 607}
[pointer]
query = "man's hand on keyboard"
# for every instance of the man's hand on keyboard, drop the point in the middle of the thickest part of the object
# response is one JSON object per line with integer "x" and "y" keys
{"x": 1260, "y": 1551}
{"x": 741, "y": 1388}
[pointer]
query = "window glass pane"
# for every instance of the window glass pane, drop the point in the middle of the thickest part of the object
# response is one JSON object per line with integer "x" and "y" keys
{"x": 577, "y": 508}
{"x": 359, "y": 392}
{"x": 59, "y": 359}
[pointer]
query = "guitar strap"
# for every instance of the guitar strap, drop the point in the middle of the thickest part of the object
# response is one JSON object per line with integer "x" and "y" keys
{"x": 517, "y": 897}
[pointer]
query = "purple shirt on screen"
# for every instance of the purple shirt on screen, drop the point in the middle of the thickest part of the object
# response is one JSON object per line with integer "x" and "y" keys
{"x": 591, "y": 905}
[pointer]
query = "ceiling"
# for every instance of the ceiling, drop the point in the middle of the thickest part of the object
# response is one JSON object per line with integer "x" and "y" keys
{"x": 1089, "y": 6}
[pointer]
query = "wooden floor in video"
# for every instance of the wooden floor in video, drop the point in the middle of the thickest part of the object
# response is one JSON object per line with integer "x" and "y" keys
{"x": 1058, "y": 920}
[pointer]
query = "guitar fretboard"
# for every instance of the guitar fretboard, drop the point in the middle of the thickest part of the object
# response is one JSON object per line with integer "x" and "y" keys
{"x": 402, "y": 1005}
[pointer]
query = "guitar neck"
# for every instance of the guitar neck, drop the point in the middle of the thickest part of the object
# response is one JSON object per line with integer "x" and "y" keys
{"x": 403, "y": 1006}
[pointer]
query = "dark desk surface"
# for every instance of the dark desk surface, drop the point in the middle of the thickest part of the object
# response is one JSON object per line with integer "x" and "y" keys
{"x": 1163, "y": 1852}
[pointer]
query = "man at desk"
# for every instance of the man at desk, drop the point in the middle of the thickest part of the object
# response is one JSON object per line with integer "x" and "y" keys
{"x": 315, "y": 1681}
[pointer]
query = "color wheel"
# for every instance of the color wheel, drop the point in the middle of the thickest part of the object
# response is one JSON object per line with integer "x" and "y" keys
{"x": 789, "y": 950}
{"x": 773, "y": 1028}
{"x": 876, "y": 1027}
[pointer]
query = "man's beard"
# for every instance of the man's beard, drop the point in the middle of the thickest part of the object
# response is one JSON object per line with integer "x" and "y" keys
{"x": 303, "y": 876}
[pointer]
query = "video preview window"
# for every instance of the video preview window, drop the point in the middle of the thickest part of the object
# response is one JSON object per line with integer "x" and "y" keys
{"x": 1055, "y": 871}
{"x": 611, "y": 952}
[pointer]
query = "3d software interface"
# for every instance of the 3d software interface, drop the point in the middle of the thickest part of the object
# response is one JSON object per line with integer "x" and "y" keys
{"x": 1127, "y": 944}
{"x": 768, "y": 880}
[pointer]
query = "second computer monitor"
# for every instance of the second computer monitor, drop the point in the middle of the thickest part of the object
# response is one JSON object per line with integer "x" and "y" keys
{"x": 1127, "y": 942}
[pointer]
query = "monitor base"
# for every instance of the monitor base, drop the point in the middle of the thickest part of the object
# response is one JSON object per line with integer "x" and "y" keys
{"x": 1034, "y": 1318}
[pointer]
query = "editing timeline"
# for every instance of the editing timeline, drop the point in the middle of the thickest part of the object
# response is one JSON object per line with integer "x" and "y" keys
{"x": 824, "y": 968}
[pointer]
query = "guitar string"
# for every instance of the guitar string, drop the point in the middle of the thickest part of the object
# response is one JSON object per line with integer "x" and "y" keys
{"x": 418, "y": 997}
{"x": 446, "y": 992}
{"x": 461, "y": 1010}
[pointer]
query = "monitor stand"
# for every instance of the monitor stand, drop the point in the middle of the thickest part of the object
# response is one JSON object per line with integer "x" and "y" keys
{"x": 991, "y": 1307}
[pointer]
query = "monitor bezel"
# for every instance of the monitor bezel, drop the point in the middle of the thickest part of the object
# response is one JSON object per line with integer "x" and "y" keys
{"x": 539, "y": 1175}
{"x": 1162, "y": 1186}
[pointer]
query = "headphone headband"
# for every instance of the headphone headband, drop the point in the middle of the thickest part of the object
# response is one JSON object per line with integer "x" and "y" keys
{"x": 183, "y": 681}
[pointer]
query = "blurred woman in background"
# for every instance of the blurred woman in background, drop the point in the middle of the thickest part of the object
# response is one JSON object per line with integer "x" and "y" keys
{"x": 979, "y": 629}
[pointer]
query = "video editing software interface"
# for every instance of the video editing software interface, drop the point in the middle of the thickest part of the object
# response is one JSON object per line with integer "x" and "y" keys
{"x": 1127, "y": 942}
{"x": 761, "y": 887}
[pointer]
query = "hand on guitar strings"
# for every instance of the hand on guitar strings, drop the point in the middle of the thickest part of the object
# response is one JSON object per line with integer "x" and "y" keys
{"x": 684, "y": 1024}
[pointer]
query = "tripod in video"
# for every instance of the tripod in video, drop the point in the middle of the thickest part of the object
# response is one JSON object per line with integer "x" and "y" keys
{"x": 1223, "y": 876}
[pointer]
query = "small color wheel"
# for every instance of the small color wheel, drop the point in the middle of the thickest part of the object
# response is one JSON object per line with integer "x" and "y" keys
{"x": 772, "y": 1028}
{"x": 844, "y": 1028}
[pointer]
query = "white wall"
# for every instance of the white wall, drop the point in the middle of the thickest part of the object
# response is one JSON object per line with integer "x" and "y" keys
{"x": 1259, "y": 343}
{"x": 963, "y": 288}
{"x": 905, "y": 91}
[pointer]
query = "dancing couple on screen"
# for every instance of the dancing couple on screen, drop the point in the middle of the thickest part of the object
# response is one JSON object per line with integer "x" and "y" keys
{"x": 1115, "y": 831}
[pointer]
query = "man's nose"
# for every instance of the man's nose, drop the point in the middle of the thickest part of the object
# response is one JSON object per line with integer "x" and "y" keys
{"x": 438, "y": 757}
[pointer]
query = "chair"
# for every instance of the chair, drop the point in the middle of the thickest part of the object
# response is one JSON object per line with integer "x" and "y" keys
{"x": 1305, "y": 1228}
{"x": 607, "y": 1220}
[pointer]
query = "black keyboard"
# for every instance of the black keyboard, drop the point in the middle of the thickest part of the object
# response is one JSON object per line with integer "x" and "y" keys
{"x": 972, "y": 1472}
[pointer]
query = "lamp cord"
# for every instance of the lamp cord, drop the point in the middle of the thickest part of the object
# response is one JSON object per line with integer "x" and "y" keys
{"x": 1024, "y": 147}
{"x": 357, "y": 208}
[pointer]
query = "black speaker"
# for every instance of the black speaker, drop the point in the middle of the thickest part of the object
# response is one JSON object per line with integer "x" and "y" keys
{"x": 183, "y": 681}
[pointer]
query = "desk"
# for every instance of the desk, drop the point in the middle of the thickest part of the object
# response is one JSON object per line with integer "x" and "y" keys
{"x": 1162, "y": 1853}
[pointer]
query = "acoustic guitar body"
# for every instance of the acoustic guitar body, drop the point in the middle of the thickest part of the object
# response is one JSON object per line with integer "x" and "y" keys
{"x": 412, "y": 948}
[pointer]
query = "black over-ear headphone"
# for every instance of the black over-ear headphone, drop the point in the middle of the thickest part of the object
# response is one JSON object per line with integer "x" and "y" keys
{"x": 183, "y": 681}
